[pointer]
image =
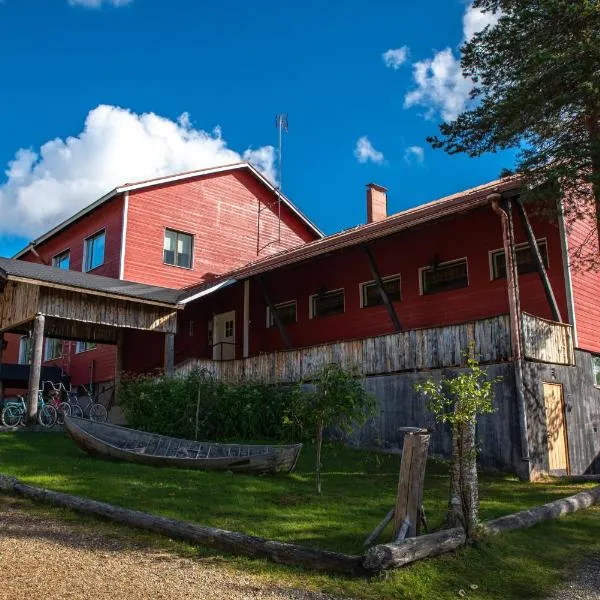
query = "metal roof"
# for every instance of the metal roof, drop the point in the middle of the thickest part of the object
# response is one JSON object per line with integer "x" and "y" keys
{"x": 128, "y": 187}
{"x": 447, "y": 206}
{"x": 21, "y": 270}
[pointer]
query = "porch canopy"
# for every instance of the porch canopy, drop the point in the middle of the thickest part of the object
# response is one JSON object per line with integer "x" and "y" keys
{"x": 71, "y": 305}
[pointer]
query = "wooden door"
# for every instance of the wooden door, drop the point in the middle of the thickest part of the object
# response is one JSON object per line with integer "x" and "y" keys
{"x": 558, "y": 450}
{"x": 224, "y": 336}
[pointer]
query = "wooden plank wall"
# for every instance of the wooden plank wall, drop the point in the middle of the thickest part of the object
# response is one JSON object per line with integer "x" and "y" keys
{"x": 18, "y": 303}
{"x": 419, "y": 349}
{"x": 547, "y": 341}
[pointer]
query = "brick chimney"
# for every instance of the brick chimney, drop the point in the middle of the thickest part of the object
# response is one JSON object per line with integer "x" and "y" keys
{"x": 376, "y": 202}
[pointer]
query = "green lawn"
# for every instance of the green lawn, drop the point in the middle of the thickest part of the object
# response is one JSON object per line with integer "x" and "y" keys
{"x": 358, "y": 489}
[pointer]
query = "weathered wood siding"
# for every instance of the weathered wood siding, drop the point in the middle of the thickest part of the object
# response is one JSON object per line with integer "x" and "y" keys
{"x": 18, "y": 303}
{"x": 419, "y": 349}
{"x": 547, "y": 341}
{"x": 89, "y": 308}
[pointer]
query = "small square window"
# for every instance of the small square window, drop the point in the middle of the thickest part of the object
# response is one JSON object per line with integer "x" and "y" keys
{"x": 178, "y": 248}
{"x": 94, "y": 251}
{"x": 524, "y": 257}
{"x": 62, "y": 260}
{"x": 54, "y": 349}
{"x": 371, "y": 296}
{"x": 446, "y": 276}
{"x": 327, "y": 303}
{"x": 286, "y": 311}
{"x": 596, "y": 370}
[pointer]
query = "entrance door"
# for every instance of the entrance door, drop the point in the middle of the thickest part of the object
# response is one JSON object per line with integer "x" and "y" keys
{"x": 224, "y": 336}
{"x": 558, "y": 454}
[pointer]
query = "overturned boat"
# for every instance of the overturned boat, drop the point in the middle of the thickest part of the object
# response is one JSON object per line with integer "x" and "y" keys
{"x": 121, "y": 443}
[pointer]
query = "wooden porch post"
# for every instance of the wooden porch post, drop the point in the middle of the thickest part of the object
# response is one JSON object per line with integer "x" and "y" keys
{"x": 36, "y": 367}
{"x": 282, "y": 332}
{"x": 169, "y": 354}
{"x": 119, "y": 365}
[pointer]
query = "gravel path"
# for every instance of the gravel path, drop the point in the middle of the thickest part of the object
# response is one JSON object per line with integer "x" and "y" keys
{"x": 45, "y": 558}
{"x": 585, "y": 585}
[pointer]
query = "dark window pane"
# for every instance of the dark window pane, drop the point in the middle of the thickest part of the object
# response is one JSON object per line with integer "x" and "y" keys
{"x": 286, "y": 313}
{"x": 445, "y": 277}
{"x": 372, "y": 296}
{"x": 330, "y": 303}
{"x": 525, "y": 261}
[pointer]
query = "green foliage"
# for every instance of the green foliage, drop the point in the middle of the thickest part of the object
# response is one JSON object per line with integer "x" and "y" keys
{"x": 177, "y": 406}
{"x": 460, "y": 398}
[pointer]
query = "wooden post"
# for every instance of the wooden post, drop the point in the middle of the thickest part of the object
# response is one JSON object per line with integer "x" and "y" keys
{"x": 282, "y": 332}
{"x": 119, "y": 365}
{"x": 384, "y": 297}
{"x": 36, "y": 367}
{"x": 2, "y": 342}
{"x": 410, "y": 485}
{"x": 169, "y": 354}
{"x": 537, "y": 257}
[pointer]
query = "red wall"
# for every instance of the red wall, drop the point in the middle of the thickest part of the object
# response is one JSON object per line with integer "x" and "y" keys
{"x": 221, "y": 211}
{"x": 472, "y": 235}
{"x": 583, "y": 238}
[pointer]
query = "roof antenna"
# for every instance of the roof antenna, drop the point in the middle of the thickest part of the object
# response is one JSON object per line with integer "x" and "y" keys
{"x": 281, "y": 122}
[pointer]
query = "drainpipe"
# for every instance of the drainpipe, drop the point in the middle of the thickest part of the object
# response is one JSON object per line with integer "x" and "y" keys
{"x": 515, "y": 323}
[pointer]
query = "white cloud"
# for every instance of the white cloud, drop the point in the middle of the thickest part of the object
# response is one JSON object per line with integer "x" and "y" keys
{"x": 116, "y": 146}
{"x": 365, "y": 152}
{"x": 394, "y": 59}
{"x": 99, "y": 3}
{"x": 414, "y": 154}
{"x": 440, "y": 85}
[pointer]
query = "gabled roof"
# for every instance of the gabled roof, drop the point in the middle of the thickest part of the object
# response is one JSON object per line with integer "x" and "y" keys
{"x": 438, "y": 209}
{"x": 128, "y": 187}
{"x": 21, "y": 270}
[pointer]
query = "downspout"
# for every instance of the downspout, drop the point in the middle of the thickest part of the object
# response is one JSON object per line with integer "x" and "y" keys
{"x": 515, "y": 325}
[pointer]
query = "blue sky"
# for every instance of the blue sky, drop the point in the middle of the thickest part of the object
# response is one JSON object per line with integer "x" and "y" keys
{"x": 356, "y": 114}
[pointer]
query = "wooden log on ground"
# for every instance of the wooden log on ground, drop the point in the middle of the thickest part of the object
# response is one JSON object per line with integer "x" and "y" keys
{"x": 228, "y": 541}
{"x": 552, "y": 510}
{"x": 389, "y": 556}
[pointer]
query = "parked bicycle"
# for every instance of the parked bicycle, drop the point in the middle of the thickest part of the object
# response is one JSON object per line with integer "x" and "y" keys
{"x": 14, "y": 412}
{"x": 93, "y": 410}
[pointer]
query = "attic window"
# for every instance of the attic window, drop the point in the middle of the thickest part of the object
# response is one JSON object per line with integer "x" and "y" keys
{"x": 444, "y": 276}
{"x": 94, "y": 250}
{"x": 286, "y": 311}
{"x": 327, "y": 303}
{"x": 178, "y": 248}
{"x": 62, "y": 260}
{"x": 371, "y": 296}
{"x": 525, "y": 261}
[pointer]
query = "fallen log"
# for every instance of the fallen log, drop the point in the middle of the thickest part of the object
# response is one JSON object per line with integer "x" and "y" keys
{"x": 552, "y": 510}
{"x": 221, "y": 539}
{"x": 389, "y": 556}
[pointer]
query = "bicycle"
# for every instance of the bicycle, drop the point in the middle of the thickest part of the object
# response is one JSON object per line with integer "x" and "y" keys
{"x": 70, "y": 406}
{"x": 14, "y": 412}
{"x": 94, "y": 411}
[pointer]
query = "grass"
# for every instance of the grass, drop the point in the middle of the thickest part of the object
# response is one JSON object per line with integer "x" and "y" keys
{"x": 358, "y": 489}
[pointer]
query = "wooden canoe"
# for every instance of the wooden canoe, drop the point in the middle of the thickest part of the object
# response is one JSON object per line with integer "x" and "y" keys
{"x": 121, "y": 443}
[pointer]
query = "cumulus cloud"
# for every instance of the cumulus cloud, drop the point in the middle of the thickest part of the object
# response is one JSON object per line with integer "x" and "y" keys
{"x": 365, "y": 151}
{"x": 439, "y": 83}
{"x": 394, "y": 59}
{"x": 45, "y": 186}
{"x": 99, "y": 3}
{"x": 414, "y": 154}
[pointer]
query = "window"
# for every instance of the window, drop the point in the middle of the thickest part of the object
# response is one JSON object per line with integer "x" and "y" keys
{"x": 369, "y": 292}
{"x": 178, "y": 249}
{"x": 94, "y": 251}
{"x": 286, "y": 311}
{"x": 445, "y": 276}
{"x": 524, "y": 256}
{"x": 24, "y": 350}
{"x": 326, "y": 303}
{"x": 229, "y": 329}
{"x": 596, "y": 370}
{"x": 53, "y": 349}
{"x": 85, "y": 347}
{"x": 62, "y": 260}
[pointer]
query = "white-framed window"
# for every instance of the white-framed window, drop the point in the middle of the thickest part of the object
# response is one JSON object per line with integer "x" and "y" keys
{"x": 596, "y": 370}
{"x": 53, "y": 349}
{"x": 62, "y": 260}
{"x": 24, "y": 350}
{"x": 371, "y": 296}
{"x": 286, "y": 311}
{"x": 325, "y": 304}
{"x": 93, "y": 251}
{"x": 85, "y": 347}
{"x": 524, "y": 256}
{"x": 450, "y": 275}
{"x": 178, "y": 249}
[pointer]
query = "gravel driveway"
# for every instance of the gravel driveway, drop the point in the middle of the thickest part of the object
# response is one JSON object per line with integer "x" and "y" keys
{"x": 45, "y": 558}
{"x": 585, "y": 584}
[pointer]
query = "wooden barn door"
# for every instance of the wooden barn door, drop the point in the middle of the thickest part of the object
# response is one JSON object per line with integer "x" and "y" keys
{"x": 558, "y": 452}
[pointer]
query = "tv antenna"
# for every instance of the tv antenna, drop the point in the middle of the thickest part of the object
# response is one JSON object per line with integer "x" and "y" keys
{"x": 281, "y": 122}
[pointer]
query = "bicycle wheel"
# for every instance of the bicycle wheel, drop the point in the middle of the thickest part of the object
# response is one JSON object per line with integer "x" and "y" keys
{"x": 12, "y": 416}
{"x": 76, "y": 411}
{"x": 98, "y": 413}
{"x": 64, "y": 408}
{"x": 47, "y": 415}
